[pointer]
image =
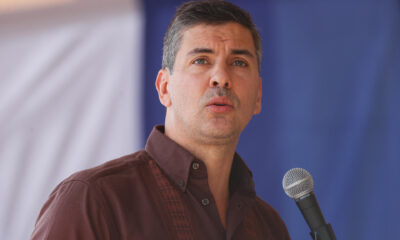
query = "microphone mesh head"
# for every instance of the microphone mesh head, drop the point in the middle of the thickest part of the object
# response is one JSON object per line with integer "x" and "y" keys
{"x": 297, "y": 182}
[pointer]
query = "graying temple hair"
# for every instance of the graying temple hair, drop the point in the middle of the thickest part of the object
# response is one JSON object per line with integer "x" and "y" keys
{"x": 212, "y": 12}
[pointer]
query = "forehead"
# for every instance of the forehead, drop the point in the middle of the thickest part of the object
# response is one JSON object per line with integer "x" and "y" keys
{"x": 227, "y": 35}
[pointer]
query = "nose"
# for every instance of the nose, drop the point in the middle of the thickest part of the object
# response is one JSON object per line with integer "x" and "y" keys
{"x": 220, "y": 78}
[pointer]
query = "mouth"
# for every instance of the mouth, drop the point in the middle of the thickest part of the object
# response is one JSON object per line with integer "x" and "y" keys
{"x": 220, "y": 105}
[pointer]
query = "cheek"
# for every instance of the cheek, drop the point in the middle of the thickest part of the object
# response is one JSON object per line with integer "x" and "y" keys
{"x": 249, "y": 98}
{"x": 248, "y": 89}
{"x": 185, "y": 95}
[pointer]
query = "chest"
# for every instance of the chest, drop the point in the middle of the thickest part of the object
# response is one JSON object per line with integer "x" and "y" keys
{"x": 155, "y": 208}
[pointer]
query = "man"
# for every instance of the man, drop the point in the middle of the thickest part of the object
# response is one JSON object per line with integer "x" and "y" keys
{"x": 188, "y": 183}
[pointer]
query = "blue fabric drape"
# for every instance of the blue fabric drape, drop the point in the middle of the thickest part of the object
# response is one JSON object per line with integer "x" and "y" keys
{"x": 331, "y": 95}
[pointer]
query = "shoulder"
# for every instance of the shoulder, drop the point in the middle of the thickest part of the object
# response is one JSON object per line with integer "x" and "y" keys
{"x": 268, "y": 214}
{"x": 265, "y": 208}
{"x": 112, "y": 177}
{"x": 80, "y": 205}
{"x": 112, "y": 168}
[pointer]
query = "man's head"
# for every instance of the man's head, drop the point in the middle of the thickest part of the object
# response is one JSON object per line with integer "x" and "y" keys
{"x": 215, "y": 88}
{"x": 212, "y": 12}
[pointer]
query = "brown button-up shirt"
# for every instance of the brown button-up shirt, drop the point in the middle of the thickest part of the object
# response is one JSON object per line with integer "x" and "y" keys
{"x": 157, "y": 193}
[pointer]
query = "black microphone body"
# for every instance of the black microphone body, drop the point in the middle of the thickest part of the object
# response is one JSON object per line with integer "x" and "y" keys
{"x": 299, "y": 185}
{"x": 311, "y": 211}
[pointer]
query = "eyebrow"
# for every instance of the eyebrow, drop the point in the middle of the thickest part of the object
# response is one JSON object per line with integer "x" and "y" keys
{"x": 242, "y": 52}
{"x": 200, "y": 50}
{"x": 233, "y": 51}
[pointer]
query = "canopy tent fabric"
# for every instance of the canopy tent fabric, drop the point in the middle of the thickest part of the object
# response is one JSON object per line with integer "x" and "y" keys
{"x": 70, "y": 98}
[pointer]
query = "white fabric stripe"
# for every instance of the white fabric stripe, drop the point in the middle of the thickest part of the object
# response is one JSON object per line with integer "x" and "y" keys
{"x": 70, "y": 98}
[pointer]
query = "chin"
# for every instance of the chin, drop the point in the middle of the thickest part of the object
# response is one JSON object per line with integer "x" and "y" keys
{"x": 220, "y": 132}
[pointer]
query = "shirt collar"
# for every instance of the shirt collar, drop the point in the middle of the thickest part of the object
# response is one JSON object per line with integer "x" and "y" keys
{"x": 176, "y": 162}
{"x": 241, "y": 178}
{"x": 173, "y": 159}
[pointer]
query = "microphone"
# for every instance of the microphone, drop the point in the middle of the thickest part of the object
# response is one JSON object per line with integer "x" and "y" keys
{"x": 299, "y": 185}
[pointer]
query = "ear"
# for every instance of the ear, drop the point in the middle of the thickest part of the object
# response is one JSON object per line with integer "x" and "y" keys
{"x": 257, "y": 108}
{"x": 162, "y": 82}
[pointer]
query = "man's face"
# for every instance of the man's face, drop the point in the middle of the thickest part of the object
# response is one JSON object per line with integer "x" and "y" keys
{"x": 215, "y": 87}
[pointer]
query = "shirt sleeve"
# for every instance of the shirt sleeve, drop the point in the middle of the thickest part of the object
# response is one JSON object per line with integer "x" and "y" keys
{"x": 74, "y": 210}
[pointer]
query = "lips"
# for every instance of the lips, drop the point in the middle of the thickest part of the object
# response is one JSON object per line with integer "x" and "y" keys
{"x": 220, "y": 104}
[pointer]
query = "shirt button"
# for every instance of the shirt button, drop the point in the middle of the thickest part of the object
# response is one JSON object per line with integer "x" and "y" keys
{"x": 195, "y": 165}
{"x": 181, "y": 183}
{"x": 205, "y": 201}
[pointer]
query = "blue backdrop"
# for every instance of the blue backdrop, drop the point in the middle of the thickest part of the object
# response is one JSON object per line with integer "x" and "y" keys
{"x": 331, "y": 95}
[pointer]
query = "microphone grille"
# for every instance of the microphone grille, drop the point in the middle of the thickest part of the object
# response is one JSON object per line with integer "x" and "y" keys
{"x": 297, "y": 182}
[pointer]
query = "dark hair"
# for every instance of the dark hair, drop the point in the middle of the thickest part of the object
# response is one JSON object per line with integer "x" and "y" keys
{"x": 213, "y": 12}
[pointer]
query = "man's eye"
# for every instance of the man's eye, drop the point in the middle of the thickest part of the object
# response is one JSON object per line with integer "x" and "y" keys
{"x": 239, "y": 63}
{"x": 200, "y": 61}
